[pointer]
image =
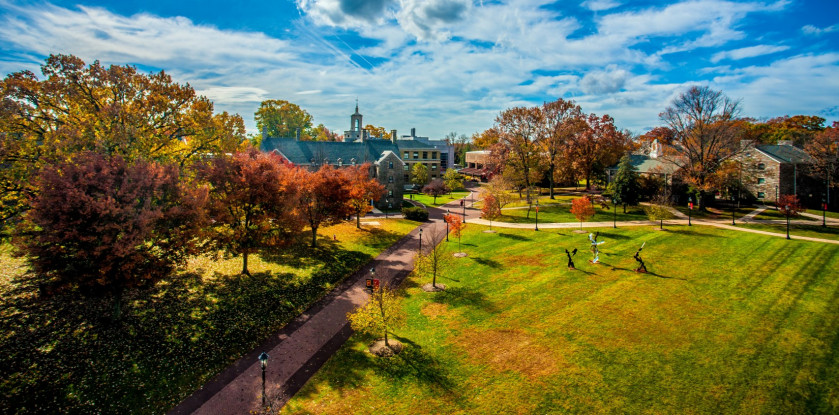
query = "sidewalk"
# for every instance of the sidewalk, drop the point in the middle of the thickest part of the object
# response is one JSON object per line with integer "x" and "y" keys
{"x": 298, "y": 350}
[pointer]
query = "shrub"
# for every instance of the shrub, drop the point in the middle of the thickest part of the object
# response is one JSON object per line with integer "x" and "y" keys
{"x": 415, "y": 213}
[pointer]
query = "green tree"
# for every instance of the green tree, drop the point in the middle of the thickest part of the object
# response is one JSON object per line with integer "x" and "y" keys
{"x": 453, "y": 180}
{"x": 382, "y": 312}
{"x": 282, "y": 119}
{"x": 419, "y": 174}
{"x": 625, "y": 189}
{"x": 659, "y": 208}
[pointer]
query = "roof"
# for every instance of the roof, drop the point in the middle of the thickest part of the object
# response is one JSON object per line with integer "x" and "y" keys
{"x": 786, "y": 154}
{"x": 302, "y": 152}
{"x": 645, "y": 164}
{"x": 413, "y": 144}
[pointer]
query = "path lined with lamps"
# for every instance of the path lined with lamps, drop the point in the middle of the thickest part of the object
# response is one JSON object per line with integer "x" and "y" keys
{"x": 297, "y": 351}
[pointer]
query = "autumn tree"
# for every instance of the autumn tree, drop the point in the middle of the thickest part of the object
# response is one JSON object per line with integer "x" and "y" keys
{"x": 436, "y": 188}
{"x": 499, "y": 187}
{"x": 456, "y": 226}
{"x": 379, "y": 132}
{"x": 485, "y": 139}
{"x": 518, "y": 130}
{"x": 453, "y": 180}
{"x": 280, "y": 118}
{"x": 435, "y": 260}
{"x": 490, "y": 209}
{"x": 112, "y": 110}
{"x": 325, "y": 197}
{"x": 799, "y": 129}
{"x": 824, "y": 148}
{"x": 790, "y": 205}
{"x": 597, "y": 146}
{"x": 561, "y": 121}
{"x": 419, "y": 174}
{"x": 705, "y": 133}
{"x": 102, "y": 226}
{"x": 625, "y": 188}
{"x": 254, "y": 202}
{"x": 362, "y": 190}
{"x": 461, "y": 143}
{"x": 659, "y": 208}
{"x": 382, "y": 312}
{"x": 582, "y": 209}
{"x": 321, "y": 133}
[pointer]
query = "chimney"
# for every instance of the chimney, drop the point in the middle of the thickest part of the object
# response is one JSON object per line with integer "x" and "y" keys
{"x": 297, "y": 134}
{"x": 362, "y": 135}
{"x": 393, "y": 136}
{"x": 413, "y": 132}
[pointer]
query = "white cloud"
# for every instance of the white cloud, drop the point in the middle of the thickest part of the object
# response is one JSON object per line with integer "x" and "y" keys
{"x": 599, "y": 5}
{"x": 604, "y": 82}
{"x": 346, "y": 13}
{"x": 817, "y": 31}
{"x": 747, "y": 52}
{"x": 235, "y": 94}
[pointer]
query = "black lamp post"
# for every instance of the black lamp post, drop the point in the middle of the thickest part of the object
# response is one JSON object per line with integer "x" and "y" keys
{"x": 690, "y": 209}
{"x": 614, "y": 213}
{"x": 389, "y": 205}
{"x": 732, "y": 209}
{"x": 263, "y": 360}
{"x": 824, "y": 212}
{"x": 448, "y": 212}
{"x": 420, "y": 243}
{"x": 464, "y": 210}
{"x": 537, "y": 214}
{"x": 786, "y": 210}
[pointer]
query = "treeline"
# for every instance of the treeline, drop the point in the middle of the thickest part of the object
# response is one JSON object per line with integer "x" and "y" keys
{"x": 111, "y": 178}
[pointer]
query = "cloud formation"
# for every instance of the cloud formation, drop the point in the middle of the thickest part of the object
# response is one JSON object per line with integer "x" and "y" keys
{"x": 747, "y": 52}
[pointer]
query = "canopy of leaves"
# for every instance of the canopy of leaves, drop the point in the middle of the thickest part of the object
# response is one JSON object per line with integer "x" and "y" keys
{"x": 253, "y": 203}
{"x": 625, "y": 188}
{"x": 598, "y": 146}
{"x": 800, "y": 129}
{"x": 436, "y": 188}
{"x": 824, "y": 147}
{"x": 102, "y": 225}
{"x": 790, "y": 205}
{"x": 490, "y": 209}
{"x": 582, "y": 209}
{"x": 561, "y": 122}
{"x": 378, "y": 132}
{"x": 382, "y": 312}
{"x": 324, "y": 197}
{"x": 453, "y": 179}
{"x": 282, "y": 119}
{"x": 419, "y": 174}
{"x": 517, "y": 147}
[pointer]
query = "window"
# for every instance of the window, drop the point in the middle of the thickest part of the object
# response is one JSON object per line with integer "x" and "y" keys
{"x": 390, "y": 179}
{"x": 389, "y": 193}
{"x": 434, "y": 166}
{"x": 434, "y": 154}
{"x": 761, "y": 195}
{"x": 761, "y": 166}
{"x": 761, "y": 180}
{"x": 407, "y": 167}
{"x": 416, "y": 155}
{"x": 390, "y": 165}
{"x": 352, "y": 160}
{"x": 425, "y": 155}
{"x": 340, "y": 162}
{"x": 405, "y": 155}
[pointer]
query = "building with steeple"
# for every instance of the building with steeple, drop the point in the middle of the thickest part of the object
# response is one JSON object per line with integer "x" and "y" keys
{"x": 356, "y": 131}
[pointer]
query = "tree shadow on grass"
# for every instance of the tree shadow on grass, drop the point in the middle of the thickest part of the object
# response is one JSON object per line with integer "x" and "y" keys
{"x": 513, "y": 236}
{"x": 691, "y": 232}
{"x": 611, "y": 235}
{"x": 462, "y": 296}
{"x": 487, "y": 262}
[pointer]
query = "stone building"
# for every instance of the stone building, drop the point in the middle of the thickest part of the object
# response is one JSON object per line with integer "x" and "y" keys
{"x": 776, "y": 170}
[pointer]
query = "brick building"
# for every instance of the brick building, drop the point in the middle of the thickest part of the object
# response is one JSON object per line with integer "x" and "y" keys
{"x": 776, "y": 170}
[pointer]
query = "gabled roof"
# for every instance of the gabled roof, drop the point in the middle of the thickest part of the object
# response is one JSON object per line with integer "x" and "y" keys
{"x": 303, "y": 152}
{"x": 786, "y": 154}
{"x": 646, "y": 164}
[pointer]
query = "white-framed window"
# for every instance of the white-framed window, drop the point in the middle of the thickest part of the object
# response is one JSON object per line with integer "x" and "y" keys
{"x": 761, "y": 180}
{"x": 390, "y": 165}
{"x": 761, "y": 166}
{"x": 352, "y": 161}
{"x": 416, "y": 155}
{"x": 433, "y": 167}
{"x": 390, "y": 179}
{"x": 761, "y": 195}
{"x": 340, "y": 162}
{"x": 389, "y": 193}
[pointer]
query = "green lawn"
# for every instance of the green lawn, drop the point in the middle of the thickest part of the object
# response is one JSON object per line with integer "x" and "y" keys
{"x": 814, "y": 231}
{"x": 829, "y": 214}
{"x": 441, "y": 200}
{"x": 562, "y": 213}
{"x": 62, "y": 355}
{"x": 726, "y": 322}
{"x": 722, "y": 212}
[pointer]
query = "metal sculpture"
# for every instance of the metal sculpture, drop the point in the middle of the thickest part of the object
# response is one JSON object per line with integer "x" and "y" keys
{"x": 594, "y": 247}
{"x": 571, "y": 261}
{"x": 641, "y": 266}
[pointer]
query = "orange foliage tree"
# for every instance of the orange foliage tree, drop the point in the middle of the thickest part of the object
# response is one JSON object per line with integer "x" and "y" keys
{"x": 490, "y": 210}
{"x": 362, "y": 189}
{"x": 789, "y": 205}
{"x": 456, "y": 226}
{"x": 324, "y": 198}
{"x": 582, "y": 209}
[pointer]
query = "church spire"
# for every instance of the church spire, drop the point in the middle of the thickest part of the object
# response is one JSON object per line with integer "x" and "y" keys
{"x": 356, "y": 105}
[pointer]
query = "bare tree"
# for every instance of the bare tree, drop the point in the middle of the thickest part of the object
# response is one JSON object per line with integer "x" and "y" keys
{"x": 561, "y": 121}
{"x": 435, "y": 260}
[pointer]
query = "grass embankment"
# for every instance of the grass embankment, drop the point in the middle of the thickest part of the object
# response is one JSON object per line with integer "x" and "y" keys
{"x": 725, "y": 322}
{"x": 62, "y": 355}
{"x": 441, "y": 200}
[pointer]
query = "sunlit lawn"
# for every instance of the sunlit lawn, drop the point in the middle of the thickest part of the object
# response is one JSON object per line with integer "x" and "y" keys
{"x": 725, "y": 322}
{"x": 716, "y": 212}
{"x": 64, "y": 356}
{"x": 441, "y": 200}
{"x": 814, "y": 231}
{"x": 562, "y": 213}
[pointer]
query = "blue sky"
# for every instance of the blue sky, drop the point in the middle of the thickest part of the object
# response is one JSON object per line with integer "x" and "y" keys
{"x": 452, "y": 65}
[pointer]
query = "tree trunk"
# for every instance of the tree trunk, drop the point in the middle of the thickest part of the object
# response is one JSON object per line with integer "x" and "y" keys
{"x": 624, "y": 208}
{"x": 314, "y": 236}
{"x": 245, "y": 263}
{"x": 551, "y": 181}
{"x": 117, "y": 305}
{"x": 661, "y": 224}
{"x": 358, "y": 218}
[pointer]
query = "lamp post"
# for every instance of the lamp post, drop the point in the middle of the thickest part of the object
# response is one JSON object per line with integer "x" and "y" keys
{"x": 732, "y": 209}
{"x": 786, "y": 210}
{"x": 447, "y": 224}
{"x": 389, "y": 206}
{"x": 420, "y": 243}
{"x": 824, "y": 212}
{"x": 263, "y": 360}
{"x": 464, "y": 209}
{"x": 614, "y": 213}
{"x": 537, "y": 214}
{"x": 690, "y": 208}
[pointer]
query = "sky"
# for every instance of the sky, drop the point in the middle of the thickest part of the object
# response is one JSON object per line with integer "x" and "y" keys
{"x": 451, "y": 65}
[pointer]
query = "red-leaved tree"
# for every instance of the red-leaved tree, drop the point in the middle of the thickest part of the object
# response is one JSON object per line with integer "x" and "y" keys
{"x": 254, "y": 202}
{"x": 456, "y": 226}
{"x": 102, "y": 226}
{"x": 362, "y": 189}
{"x": 789, "y": 205}
{"x": 490, "y": 210}
{"x": 436, "y": 188}
{"x": 325, "y": 198}
{"x": 582, "y": 209}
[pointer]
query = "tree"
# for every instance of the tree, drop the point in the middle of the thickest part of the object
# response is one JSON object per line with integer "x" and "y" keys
{"x": 110, "y": 110}
{"x": 382, "y": 312}
{"x": 517, "y": 132}
{"x": 362, "y": 189}
{"x": 436, "y": 188}
{"x": 456, "y": 226}
{"x": 597, "y": 146}
{"x": 561, "y": 121}
{"x": 453, "y": 180}
{"x": 419, "y": 174}
{"x": 461, "y": 144}
{"x": 281, "y": 118}
{"x": 490, "y": 209}
{"x": 800, "y": 129}
{"x": 625, "y": 189}
{"x": 499, "y": 187}
{"x": 321, "y": 133}
{"x": 326, "y": 197}
{"x": 435, "y": 260}
{"x": 374, "y": 131}
{"x": 824, "y": 148}
{"x": 789, "y": 205}
{"x": 659, "y": 208}
{"x": 486, "y": 139}
{"x": 582, "y": 209}
{"x": 102, "y": 226}
{"x": 254, "y": 202}
{"x": 705, "y": 134}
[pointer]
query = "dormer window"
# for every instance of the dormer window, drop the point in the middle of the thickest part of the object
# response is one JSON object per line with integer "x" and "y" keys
{"x": 390, "y": 165}
{"x": 352, "y": 161}
{"x": 340, "y": 162}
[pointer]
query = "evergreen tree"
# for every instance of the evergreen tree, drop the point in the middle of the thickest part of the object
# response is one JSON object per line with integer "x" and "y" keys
{"x": 625, "y": 189}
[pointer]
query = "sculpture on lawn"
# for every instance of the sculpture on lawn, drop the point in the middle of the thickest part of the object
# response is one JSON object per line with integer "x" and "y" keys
{"x": 594, "y": 247}
{"x": 641, "y": 266}
{"x": 571, "y": 261}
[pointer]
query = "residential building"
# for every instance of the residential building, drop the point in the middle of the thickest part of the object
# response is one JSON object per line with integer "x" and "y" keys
{"x": 776, "y": 170}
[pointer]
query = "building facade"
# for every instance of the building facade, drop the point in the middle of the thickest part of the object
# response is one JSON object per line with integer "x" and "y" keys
{"x": 776, "y": 170}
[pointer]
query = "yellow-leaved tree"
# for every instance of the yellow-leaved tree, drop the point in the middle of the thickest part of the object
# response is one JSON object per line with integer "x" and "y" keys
{"x": 382, "y": 312}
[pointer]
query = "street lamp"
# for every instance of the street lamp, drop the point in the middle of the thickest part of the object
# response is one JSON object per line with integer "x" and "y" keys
{"x": 690, "y": 208}
{"x": 464, "y": 209}
{"x": 732, "y": 209}
{"x": 537, "y": 214}
{"x": 614, "y": 213}
{"x": 448, "y": 212}
{"x": 388, "y": 208}
{"x": 786, "y": 210}
{"x": 420, "y": 243}
{"x": 263, "y": 360}
{"x": 824, "y": 212}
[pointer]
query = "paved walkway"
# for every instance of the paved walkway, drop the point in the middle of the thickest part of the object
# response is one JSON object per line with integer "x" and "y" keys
{"x": 299, "y": 349}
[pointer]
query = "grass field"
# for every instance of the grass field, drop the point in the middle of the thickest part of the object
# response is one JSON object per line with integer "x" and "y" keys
{"x": 725, "y": 322}
{"x": 813, "y": 231}
{"x": 562, "y": 213}
{"x": 62, "y": 355}
{"x": 441, "y": 200}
